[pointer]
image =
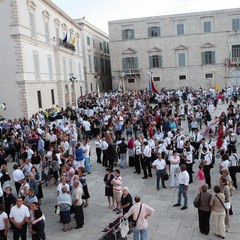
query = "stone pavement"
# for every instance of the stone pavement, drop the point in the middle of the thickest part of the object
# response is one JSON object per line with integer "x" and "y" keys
{"x": 168, "y": 223}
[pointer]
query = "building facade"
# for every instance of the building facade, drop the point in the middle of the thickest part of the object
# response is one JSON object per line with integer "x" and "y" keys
{"x": 97, "y": 69}
{"x": 41, "y": 51}
{"x": 196, "y": 49}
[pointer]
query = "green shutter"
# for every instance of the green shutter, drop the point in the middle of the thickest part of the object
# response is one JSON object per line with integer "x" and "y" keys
{"x": 150, "y": 62}
{"x": 135, "y": 62}
{"x": 124, "y": 64}
{"x": 203, "y": 58}
{"x": 213, "y": 57}
{"x": 160, "y": 60}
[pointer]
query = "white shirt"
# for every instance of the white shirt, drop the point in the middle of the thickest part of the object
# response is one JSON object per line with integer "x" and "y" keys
{"x": 147, "y": 152}
{"x": 137, "y": 147}
{"x": 19, "y": 213}
{"x": 18, "y": 175}
{"x": 159, "y": 164}
{"x": 225, "y": 164}
{"x": 233, "y": 160}
{"x": 86, "y": 125}
{"x": 174, "y": 160}
{"x": 3, "y": 216}
{"x": 183, "y": 177}
{"x": 59, "y": 188}
{"x": 207, "y": 158}
{"x": 98, "y": 143}
{"x": 87, "y": 148}
{"x": 29, "y": 153}
{"x": 104, "y": 145}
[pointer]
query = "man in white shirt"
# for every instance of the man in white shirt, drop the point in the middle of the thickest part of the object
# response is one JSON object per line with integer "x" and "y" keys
{"x": 183, "y": 180}
{"x": 147, "y": 154}
{"x": 98, "y": 143}
{"x": 207, "y": 162}
{"x": 18, "y": 176}
{"x": 19, "y": 216}
{"x": 160, "y": 165}
{"x": 137, "y": 154}
{"x": 87, "y": 128}
{"x": 104, "y": 148}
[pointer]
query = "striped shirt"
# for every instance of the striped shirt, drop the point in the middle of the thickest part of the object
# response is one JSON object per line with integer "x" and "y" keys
{"x": 117, "y": 184}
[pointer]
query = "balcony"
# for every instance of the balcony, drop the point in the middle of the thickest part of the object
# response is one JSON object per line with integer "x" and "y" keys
{"x": 131, "y": 72}
{"x": 233, "y": 61}
{"x": 66, "y": 45}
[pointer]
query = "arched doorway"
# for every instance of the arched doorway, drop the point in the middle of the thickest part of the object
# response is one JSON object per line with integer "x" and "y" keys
{"x": 67, "y": 96}
{"x": 235, "y": 78}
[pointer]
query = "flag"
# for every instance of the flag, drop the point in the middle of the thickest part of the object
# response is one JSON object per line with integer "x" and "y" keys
{"x": 74, "y": 41}
{"x": 65, "y": 39}
{"x": 153, "y": 87}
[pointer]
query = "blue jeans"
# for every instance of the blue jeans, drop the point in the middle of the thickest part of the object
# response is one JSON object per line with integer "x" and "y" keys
{"x": 87, "y": 164}
{"x": 143, "y": 234}
{"x": 184, "y": 193}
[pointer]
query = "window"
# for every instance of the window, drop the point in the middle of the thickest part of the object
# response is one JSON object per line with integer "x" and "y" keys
{"x": 156, "y": 79}
{"x": 36, "y": 65}
{"x": 70, "y": 67}
{"x": 107, "y": 48}
{"x": 208, "y": 57}
{"x": 131, "y": 80}
{"x": 130, "y": 63}
{"x": 180, "y": 29}
{"x": 208, "y": 75}
{"x": 182, "y": 77}
{"x": 96, "y": 64}
{"x": 155, "y": 61}
{"x": 104, "y": 47}
{"x": 100, "y": 46}
{"x": 50, "y": 68}
{"x": 90, "y": 63}
{"x": 81, "y": 93}
{"x": 207, "y": 26}
{"x": 236, "y": 24}
{"x": 181, "y": 60}
{"x": 65, "y": 69}
{"x": 53, "y": 97}
{"x": 57, "y": 35}
{"x": 79, "y": 71}
{"x": 94, "y": 44}
{"x": 88, "y": 41}
{"x": 32, "y": 24}
{"x": 154, "y": 32}
{"x": 102, "y": 65}
{"x": 127, "y": 34}
{"x": 236, "y": 51}
{"x": 47, "y": 37}
{"x": 91, "y": 86}
{"x": 39, "y": 99}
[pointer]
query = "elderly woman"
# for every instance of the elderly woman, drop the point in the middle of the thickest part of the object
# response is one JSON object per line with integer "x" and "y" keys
{"x": 204, "y": 210}
{"x": 225, "y": 190}
{"x": 218, "y": 212}
{"x": 65, "y": 202}
{"x": 126, "y": 203}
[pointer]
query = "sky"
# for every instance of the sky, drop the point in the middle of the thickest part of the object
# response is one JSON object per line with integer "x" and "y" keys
{"x": 99, "y": 12}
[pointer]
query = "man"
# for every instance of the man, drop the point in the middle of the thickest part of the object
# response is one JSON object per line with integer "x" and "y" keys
{"x": 18, "y": 176}
{"x": 123, "y": 153}
{"x": 27, "y": 167}
{"x": 160, "y": 165}
{"x": 188, "y": 158}
{"x": 104, "y": 148}
{"x": 137, "y": 154}
{"x": 19, "y": 216}
{"x": 77, "y": 204}
{"x": 98, "y": 143}
{"x": 117, "y": 190}
{"x": 207, "y": 162}
{"x": 30, "y": 198}
{"x": 140, "y": 212}
{"x": 147, "y": 154}
{"x": 183, "y": 180}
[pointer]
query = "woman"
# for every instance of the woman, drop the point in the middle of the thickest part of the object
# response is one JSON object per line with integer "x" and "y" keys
{"x": 39, "y": 181}
{"x": 109, "y": 187}
{"x": 38, "y": 226}
{"x": 225, "y": 190}
{"x": 79, "y": 157}
{"x": 82, "y": 179}
{"x": 204, "y": 210}
{"x": 46, "y": 171}
{"x": 65, "y": 202}
{"x": 218, "y": 212}
{"x": 126, "y": 203}
{"x": 55, "y": 166}
{"x": 3, "y": 223}
{"x": 174, "y": 168}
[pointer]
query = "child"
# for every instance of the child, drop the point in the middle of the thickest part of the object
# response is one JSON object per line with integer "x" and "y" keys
{"x": 200, "y": 175}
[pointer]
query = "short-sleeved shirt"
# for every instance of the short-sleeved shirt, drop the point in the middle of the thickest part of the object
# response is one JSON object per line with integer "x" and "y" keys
{"x": 19, "y": 213}
{"x": 159, "y": 164}
{"x": 77, "y": 194}
{"x": 3, "y": 216}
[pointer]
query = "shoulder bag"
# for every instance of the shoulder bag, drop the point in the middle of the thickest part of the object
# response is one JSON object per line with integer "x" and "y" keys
{"x": 221, "y": 203}
{"x": 134, "y": 222}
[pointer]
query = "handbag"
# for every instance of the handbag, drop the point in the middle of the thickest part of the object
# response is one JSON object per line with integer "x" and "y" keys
{"x": 165, "y": 177}
{"x": 221, "y": 203}
{"x": 197, "y": 203}
{"x": 124, "y": 226}
{"x": 227, "y": 205}
{"x": 134, "y": 222}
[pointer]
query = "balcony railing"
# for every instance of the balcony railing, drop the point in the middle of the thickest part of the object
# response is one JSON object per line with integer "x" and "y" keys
{"x": 66, "y": 45}
{"x": 131, "y": 71}
{"x": 233, "y": 61}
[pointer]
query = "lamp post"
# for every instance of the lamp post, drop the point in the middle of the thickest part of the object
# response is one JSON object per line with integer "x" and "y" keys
{"x": 123, "y": 74}
{"x": 72, "y": 79}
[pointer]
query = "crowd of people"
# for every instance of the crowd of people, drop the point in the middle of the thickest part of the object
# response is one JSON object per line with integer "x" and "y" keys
{"x": 139, "y": 129}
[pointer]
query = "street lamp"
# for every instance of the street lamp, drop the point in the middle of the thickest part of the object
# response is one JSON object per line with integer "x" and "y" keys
{"x": 123, "y": 74}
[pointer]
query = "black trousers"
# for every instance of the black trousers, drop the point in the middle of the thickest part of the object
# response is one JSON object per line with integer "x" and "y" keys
{"x": 137, "y": 160}
{"x": 160, "y": 175}
{"x": 105, "y": 158}
{"x": 78, "y": 213}
{"x": 2, "y": 237}
{"x": 17, "y": 186}
{"x": 204, "y": 218}
{"x": 20, "y": 232}
{"x": 98, "y": 152}
{"x": 206, "y": 171}
{"x": 147, "y": 166}
{"x": 189, "y": 170}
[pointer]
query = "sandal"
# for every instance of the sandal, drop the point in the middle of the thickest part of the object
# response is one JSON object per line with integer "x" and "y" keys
{"x": 64, "y": 230}
{"x": 69, "y": 229}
